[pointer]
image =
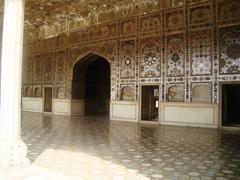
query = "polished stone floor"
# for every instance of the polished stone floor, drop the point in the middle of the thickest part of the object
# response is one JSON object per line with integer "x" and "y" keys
{"x": 95, "y": 148}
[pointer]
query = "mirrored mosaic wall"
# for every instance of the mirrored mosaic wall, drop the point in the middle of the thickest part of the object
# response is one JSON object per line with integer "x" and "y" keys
{"x": 187, "y": 49}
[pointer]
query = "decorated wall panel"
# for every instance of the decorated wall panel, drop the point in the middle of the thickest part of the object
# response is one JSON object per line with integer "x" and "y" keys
{"x": 28, "y": 69}
{"x": 60, "y": 65}
{"x": 127, "y": 93}
{"x": 27, "y": 91}
{"x": 200, "y": 15}
{"x": 127, "y": 58}
{"x": 173, "y": 3}
{"x": 202, "y": 92}
{"x": 37, "y": 91}
{"x": 59, "y": 91}
{"x": 48, "y": 67}
{"x": 228, "y": 11}
{"x": 201, "y": 52}
{"x": 174, "y": 20}
{"x": 175, "y": 55}
{"x": 37, "y": 74}
{"x": 150, "y": 57}
{"x": 229, "y": 52}
{"x": 50, "y": 44}
{"x": 150, "y": 24}
{"x": 128, "y": 27}
{"x": 175, "y": 92}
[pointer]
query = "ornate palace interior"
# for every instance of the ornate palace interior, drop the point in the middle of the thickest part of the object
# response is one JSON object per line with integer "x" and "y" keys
{"x": 145, "y": 71}
{"x": 188, "y": 51}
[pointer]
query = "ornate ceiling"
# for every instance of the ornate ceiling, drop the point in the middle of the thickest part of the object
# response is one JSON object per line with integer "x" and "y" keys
{"x": 43, "y": 15}
{"x": 45, "y": 12}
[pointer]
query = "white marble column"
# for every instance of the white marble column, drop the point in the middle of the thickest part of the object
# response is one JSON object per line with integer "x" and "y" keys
{"x": 12, "y": 148}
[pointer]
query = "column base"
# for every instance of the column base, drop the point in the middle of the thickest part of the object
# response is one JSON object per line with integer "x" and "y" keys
{"x": 13, "y": 155}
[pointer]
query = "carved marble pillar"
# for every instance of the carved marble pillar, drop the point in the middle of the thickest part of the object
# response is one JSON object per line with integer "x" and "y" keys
{"x": 12, "y": 148}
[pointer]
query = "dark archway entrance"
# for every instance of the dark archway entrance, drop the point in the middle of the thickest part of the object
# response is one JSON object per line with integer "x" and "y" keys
{"x": 91, "y": 83}
{"x": 231, "y": 105}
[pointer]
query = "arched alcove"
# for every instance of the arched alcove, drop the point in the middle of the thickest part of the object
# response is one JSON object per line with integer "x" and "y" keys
{"x": 91, "y": 85}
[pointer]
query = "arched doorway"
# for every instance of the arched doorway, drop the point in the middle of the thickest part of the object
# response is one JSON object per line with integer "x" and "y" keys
{"x": 91, "y": 84}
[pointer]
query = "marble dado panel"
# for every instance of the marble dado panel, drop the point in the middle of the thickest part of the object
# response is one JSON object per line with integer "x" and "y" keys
{"x": 185, "y": 114}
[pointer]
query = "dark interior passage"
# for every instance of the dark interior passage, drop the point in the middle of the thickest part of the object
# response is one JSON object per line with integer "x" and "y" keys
{"x": 149, "y": 105}
{"x": 91, "y": 83}
{"x": 97, "y": 88}
{"x": 231, "y": 105}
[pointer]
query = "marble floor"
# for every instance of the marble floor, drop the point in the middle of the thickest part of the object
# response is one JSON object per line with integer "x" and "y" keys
{"x": 96, "y": 148}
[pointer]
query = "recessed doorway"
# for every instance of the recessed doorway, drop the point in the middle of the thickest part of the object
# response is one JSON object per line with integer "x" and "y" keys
{"x": 149, "y": 103}
{"x": 48, "y": 99}
{"x": 231, "y": 105}
{"x": 97, "y": 88}
{"x": 91, "y": 85}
